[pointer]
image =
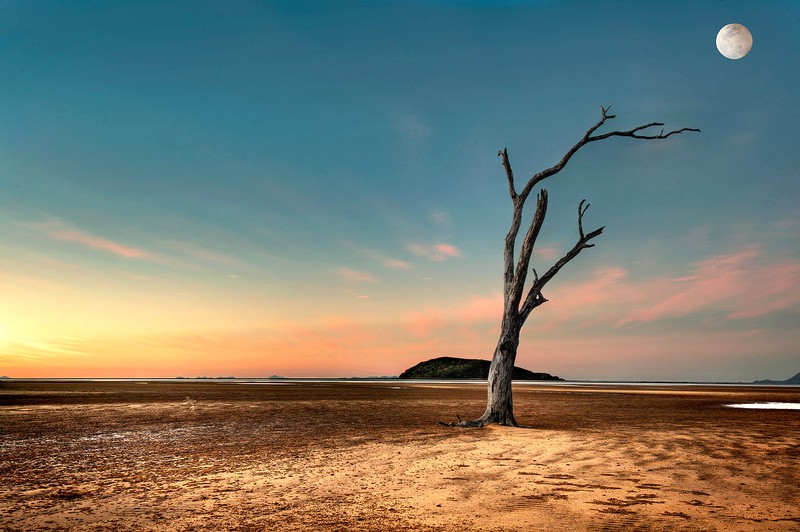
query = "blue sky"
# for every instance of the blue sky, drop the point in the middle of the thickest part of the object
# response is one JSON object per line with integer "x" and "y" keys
{"x": 312, "y": 188}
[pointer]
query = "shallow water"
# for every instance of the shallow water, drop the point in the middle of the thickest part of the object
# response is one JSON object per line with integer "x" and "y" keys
{"x": 768, "y": 406}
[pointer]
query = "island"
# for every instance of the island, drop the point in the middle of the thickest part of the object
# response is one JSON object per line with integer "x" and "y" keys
{"x": 466, "y": 368}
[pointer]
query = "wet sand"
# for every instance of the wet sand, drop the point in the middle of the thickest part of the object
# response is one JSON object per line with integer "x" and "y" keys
{"x": 363, "y": 456}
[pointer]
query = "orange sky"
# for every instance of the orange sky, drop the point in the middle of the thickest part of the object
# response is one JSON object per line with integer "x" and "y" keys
{"x": 604, "y": 320}
{"x": 260, "y": 188}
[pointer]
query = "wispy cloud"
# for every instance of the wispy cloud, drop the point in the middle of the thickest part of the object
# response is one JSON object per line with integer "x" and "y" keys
{"x": 385, "y": 260}
{"x": 743, "y": 284}
{"x": 351, "y": 275}
{"x": 194, "y": 251}
{"x": 397, "y": 264}
{"x": 465, "y": 312}
{"x": 172, "y": 252}
{"x": 441, "y": 218}
{"x": 545, "y": 253}
{"x": 719, "y": 292}
{"x": 435, "y": 252}
{"x": 61, "y": 230}
{"x": 40, "y": 348}
{"x": 413, "y": 127}
{"x": 739, "y": 285}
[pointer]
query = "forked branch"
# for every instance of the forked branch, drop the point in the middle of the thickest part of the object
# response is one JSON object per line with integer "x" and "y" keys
{"x": 535, "y": 297}
{"x": 526, "y": 250}
{"x": 514, "y": 278}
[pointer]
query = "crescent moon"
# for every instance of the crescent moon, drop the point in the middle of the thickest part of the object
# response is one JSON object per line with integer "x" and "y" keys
{"x": 734, "y": 41}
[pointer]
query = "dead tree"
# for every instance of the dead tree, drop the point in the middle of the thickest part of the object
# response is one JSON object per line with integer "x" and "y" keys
{"x": 516, "y": 308}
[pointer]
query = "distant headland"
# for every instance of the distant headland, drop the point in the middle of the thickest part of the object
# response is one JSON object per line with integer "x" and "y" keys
{"x": 791, "y": 380}
{"x": 466, "y": 368}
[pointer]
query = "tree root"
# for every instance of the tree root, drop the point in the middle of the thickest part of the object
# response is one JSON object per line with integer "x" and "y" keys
{"x": 481, "y": 422}
{"x": 478, "y": 423}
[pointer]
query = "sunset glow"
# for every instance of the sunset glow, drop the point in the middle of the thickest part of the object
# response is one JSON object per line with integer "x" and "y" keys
{"x": 266, "y": 189}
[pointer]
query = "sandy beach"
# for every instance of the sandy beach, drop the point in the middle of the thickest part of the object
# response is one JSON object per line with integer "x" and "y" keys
{"x": 371, "y": 456}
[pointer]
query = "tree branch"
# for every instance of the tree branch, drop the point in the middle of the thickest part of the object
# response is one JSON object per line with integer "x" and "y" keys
{"x": 514, "y": 279}
{"x": 587, "y": 138}
{"x": 526, "y": 250}
{"x": 509, "y": 174}
{"x": 581, "y": 211}
{"x": 535, "y": 297}
{"x": 508, "y": 250}
{"x": 511, "y": 237}
{"x": 634, "y": 133}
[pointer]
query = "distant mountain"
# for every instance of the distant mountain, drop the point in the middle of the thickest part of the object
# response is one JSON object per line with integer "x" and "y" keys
{"x": 466, "y": 368}
{"x": 793, "y": 380}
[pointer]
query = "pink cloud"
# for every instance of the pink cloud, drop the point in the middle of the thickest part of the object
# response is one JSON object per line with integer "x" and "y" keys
{"x": 603, "y": 285}
{"x": 356, "y": 276}
{"x": 421, "y": 323}
{"x": 738, "y": 285}
{"x": 61, "y": 230}
{"x": 779, "y": 289}
{"x": 447, "y": 250}
{"x": 397, "y": 264}
{"x": 466, "y": 312}
{"x": 592, "y": 301}
{"x": 734, "y": 286}
{"x": 435, "y": 252}
{"x": 545, "y": 253}
{"x": 95, "y": 242}
{"x": 481, "y": 308}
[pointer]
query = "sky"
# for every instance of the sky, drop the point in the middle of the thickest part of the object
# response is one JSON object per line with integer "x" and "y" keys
{"x": 313, "y": 189}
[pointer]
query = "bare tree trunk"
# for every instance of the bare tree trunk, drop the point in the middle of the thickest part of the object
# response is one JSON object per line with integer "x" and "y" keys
{"x": 499, "y": 405}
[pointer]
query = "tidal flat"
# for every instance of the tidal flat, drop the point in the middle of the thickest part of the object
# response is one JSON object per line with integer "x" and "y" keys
{"x": 370, "y": 456}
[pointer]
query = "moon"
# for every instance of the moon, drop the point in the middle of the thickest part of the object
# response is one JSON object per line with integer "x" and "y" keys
{"x": 734, "y": 41}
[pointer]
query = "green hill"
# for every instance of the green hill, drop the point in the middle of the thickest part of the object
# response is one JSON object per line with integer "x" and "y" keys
{"x": 466, "y": 368}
